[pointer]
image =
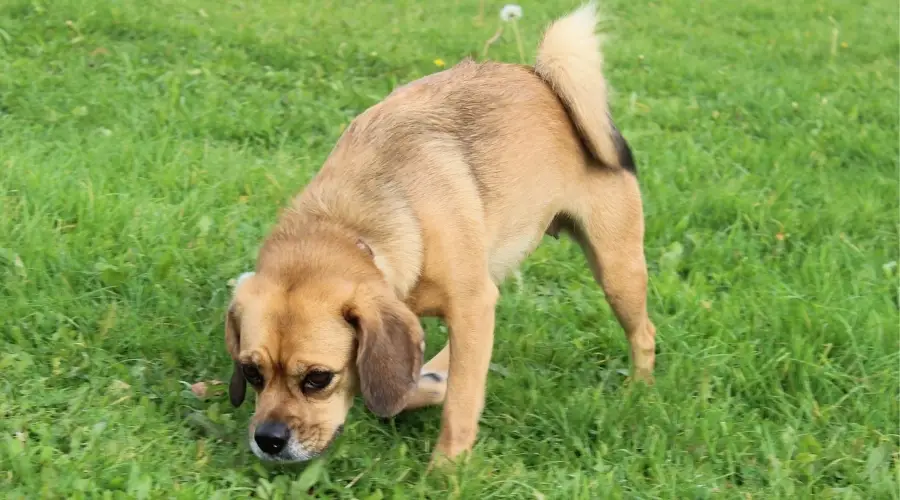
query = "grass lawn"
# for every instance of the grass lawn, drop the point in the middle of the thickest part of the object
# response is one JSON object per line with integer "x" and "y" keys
{"x": 147, "y": 146}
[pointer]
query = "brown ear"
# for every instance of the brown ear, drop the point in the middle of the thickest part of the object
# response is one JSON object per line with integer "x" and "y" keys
{"x": 389, "y": 352}
{"x": 237, "y": 388}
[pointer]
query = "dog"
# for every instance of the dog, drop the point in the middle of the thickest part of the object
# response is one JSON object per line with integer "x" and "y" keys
{"x": 428, "y": 200}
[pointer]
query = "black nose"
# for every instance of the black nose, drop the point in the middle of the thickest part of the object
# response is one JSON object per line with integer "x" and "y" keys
{"x": 272, "y": 437}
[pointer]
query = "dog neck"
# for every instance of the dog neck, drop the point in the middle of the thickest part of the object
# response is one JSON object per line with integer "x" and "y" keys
{"x": 378, "y": 259}
{"x": 300, "y": 239}
{"x": 380, "y": 218}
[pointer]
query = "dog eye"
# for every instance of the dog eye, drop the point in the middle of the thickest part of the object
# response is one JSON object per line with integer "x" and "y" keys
{"x": 316, "y": 381}
{"x": 252, "y": 375}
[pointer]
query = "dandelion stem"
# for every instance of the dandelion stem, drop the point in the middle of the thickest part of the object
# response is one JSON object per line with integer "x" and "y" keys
{"x": 491, "y": 41}
{"x": 515, "y": 26}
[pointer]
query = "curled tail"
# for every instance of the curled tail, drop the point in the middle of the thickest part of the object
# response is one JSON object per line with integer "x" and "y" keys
{"x": 570, "y": 61}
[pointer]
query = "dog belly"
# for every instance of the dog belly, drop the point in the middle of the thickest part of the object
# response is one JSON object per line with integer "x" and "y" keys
{"x": 507, "y": 255}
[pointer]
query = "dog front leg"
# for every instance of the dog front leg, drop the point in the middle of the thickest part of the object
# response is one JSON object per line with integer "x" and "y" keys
{"x": 471, "y": 325}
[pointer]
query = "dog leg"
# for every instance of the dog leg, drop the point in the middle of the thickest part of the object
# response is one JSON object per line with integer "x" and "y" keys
{"x": 432, "y": 387}
{"x": 471, "y": 324}
{"x": 610, "y": 229}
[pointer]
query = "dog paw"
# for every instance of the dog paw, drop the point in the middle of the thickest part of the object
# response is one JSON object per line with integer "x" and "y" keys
{"x": 434, "y": 377}
{"x": 441, "y": 463}
{"x": 433, "y": 386}
{"x": 430, "y": 391}
{"x": 449, "y": 455}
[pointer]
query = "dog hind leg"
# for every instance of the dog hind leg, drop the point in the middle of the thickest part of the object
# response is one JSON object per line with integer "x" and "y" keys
{"x": 609, "y": 226}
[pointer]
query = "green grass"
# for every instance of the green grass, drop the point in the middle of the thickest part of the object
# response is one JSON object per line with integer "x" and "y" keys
{"x": 147, "y": 146}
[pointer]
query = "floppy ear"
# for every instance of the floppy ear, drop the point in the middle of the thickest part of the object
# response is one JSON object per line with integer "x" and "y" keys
{"x": 389, "y": 352}
{"x": 237, "y": 388}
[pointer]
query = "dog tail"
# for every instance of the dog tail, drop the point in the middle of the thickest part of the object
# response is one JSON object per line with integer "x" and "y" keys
{"x": 570, "y": 61}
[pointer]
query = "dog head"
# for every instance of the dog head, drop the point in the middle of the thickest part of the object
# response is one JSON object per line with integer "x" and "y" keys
{"x": 308, "y": 343}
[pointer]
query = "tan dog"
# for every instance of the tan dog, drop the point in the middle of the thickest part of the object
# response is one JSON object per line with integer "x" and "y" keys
{"x": 428, "y": 200}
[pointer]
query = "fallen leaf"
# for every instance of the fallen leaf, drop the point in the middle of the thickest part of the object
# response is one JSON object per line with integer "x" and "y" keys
{"x": 779, "y": 236}
{"x": 99, "y": 51}
{"x": 706, "y": 304}
{"x": 199, "y": 389}
{"x": 118, "y": 385}
{"x": 20, "y": 266}
{"x": 204, "y": 224}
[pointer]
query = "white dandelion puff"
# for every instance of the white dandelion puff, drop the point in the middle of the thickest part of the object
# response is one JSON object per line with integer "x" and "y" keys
{"x": 510, "y": 12}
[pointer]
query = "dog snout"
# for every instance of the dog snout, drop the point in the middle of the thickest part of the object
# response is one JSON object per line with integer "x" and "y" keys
{"x": 272, "y": 437}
